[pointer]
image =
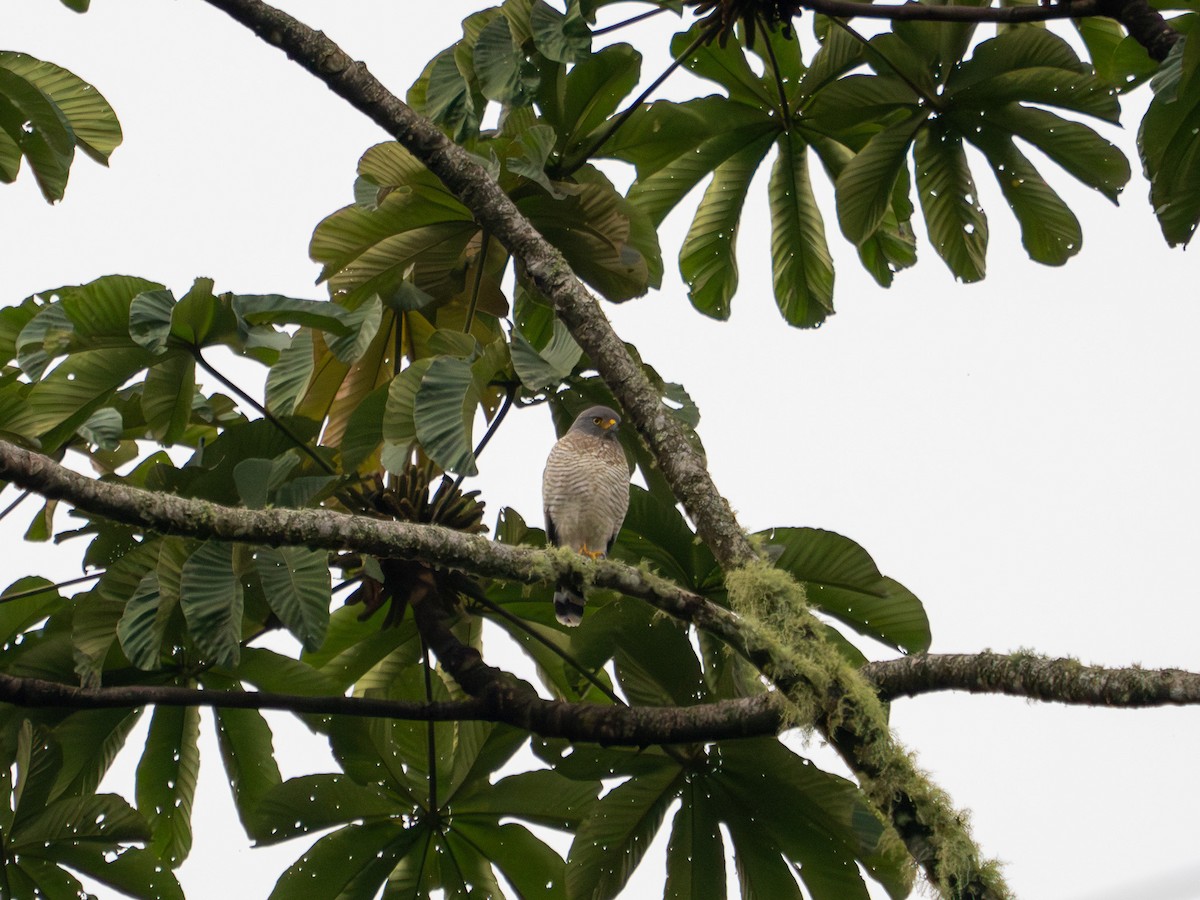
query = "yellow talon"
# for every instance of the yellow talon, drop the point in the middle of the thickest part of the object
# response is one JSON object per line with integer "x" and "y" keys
{"x": 591, "y": 554}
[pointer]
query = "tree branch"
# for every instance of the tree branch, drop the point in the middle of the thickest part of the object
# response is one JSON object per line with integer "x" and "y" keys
{"x": 1035, "y": 677}
{"x": 636, "y": 726}
{"x": 683, "y": 467}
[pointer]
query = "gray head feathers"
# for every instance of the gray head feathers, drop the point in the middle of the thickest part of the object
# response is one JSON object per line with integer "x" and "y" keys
{"x": 600, "y": 421}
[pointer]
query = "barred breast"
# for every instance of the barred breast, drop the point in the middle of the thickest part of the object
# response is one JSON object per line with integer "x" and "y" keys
{"x": 585, "y": 489}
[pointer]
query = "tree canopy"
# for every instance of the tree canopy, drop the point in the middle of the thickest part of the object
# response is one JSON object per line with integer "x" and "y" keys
{"x": 355, "y": 456}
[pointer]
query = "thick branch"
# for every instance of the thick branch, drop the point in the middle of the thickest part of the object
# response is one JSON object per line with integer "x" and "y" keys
{"x": 683, "y": 468}
{"x": 636, "y": 726}
{"x": 1144, "y": 23}
{"x": 1035, "y": 677}
{"x": 328, "y": 530}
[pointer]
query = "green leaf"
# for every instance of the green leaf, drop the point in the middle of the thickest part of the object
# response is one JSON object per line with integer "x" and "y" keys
{"x": 134, "y": 872}
{"x": 610, "y": 842}
{"x": 609, "y": 242}
{"x": 1049, "y": 230}
{"x": 593, "y": 89}
{"x": 167, "y": 396}
{"x": 103, "y": 818}
{"x": 166, "y": 780}
{"x": 865, "y": 186}
{"x": 562, "y": 38}
{"x": 1072, "y": 145}
{"x": 1169, "y": 143}
{"x": 38, "y": 127}
{"x": 956, "y": 222}
{"x": 763, "y": 874}
{"x": 16, "y": 615}
{"x": 275, "y": 309}
{"x": 211, "y": 597}
{"x": 315, "y": 802}
{"x": 296, "y": 582}
{"x": 90, "y": 741}
{"x": 724, "y": 64}
{"x": 93, "y": 122}
{"x": 547, "y": 367}
{"x": 696, "y": 852}
{"x": 443, "y": 414}
{"x": 76, "y": 388}
{"x": 503, "y": 72}
{"x": 93, "y": 630}
{"x": 818, "y": 820}
{"x": 655, "y": 532}
{"x": 531, "y": 867}
{"x": 543, "y": 797}
{"x": 443, "y": 94}
{"x": 290, "y": 374}
{"x": 841, "y": 579}
{"x": 801, "y": 267}
{"x": 707, "y": 259}
{"x": 150, "y": 319}
{"x": 248, "y": 753}
{"x": 350, "y": 864}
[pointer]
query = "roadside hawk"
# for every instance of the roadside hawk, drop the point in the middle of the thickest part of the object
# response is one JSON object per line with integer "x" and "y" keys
{"x": 585, "y": 492}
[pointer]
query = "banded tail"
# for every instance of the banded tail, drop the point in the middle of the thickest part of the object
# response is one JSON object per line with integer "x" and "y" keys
{"x": 568, "y": 605}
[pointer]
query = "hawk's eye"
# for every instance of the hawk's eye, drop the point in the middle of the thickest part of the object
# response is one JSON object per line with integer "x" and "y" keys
{"x": 596, "y": 420}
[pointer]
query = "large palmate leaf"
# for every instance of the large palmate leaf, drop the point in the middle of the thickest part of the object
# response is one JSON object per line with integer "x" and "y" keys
{"x": 840, "y": 578}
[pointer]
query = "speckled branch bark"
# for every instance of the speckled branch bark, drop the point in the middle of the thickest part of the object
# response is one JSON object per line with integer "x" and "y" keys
{"x": 683, "y": 468}
{"x": 328, "y": 530}
{"x": 1034, "y": 677}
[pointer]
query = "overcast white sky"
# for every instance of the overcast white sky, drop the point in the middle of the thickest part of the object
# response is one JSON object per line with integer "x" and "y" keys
{"x": 1020, "y": 453}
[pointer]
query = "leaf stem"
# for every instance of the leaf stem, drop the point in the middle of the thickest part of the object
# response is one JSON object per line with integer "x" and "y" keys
{"x": 33, "y": 592}
{"x": 630, "y": 21}
{"x": 485, "y": 238}
{"x": 495, "y": 424}
{"x": 874, "y": 52}
{"x": 20, "y": 499}
{"x": 430, "y": 740}
{"x": 264, "y": 412}
{"x": 573, "y": 164}
{"x": 553, "y": 648}
{"x": 785, "y": 109}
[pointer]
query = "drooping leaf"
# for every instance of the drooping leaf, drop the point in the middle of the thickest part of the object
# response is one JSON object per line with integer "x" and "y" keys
{"x": 707, "y": 259}
{"x": 296, "y": 582}
{"x": 315, "y": 802}
{"x": 1169, "y": 143}
{"x": 211, "y": 597}
{"x": 611, "y": 841}
{"x": 696, "y": 852}
{"x": 954, "y": 219}
{"x": 801, "y": 267}
{"x": 166, "y": 780}
{"x": 841, "y": 579}
{"x": 443, "y": 414}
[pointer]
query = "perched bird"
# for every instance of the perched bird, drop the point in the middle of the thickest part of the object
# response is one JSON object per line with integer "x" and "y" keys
{"x": 585, "y": 492}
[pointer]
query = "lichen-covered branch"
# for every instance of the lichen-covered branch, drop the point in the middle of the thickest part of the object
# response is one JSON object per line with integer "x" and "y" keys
{"x": 325, "y": 529}
{"x": 1034, "y": 677}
